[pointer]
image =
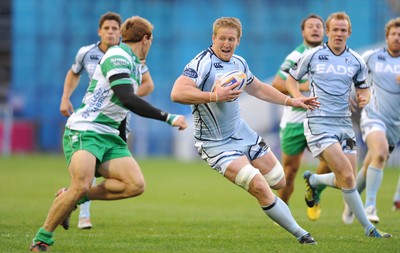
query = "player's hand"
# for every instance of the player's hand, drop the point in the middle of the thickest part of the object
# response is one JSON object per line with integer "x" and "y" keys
{"x": 353, "y": 104}
{"x": 362, "y": 101}
{"x": 66, "y": 107}
{"x": 308, "y": 103}
{"x": 177, "y": 120}
{"x": 227, "y": 93}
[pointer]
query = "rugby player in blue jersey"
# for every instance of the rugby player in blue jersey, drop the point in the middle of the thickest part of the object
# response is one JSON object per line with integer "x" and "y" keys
{"x": 380, "y": 119}
{"x": 333, "y": 69}
{"x": 222, "y": 137}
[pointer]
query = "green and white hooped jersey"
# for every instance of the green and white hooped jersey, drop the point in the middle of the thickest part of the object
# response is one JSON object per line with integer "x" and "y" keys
{"x": 292, "y": 115}
{"x": 101, "y": 111}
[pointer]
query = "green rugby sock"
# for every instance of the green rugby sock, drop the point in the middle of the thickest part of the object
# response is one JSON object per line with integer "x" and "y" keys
{"x": 82, "y": 200}
{"x": 44, "y": 236}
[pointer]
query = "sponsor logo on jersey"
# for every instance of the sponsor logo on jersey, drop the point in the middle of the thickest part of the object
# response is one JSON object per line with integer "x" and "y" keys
{"x": 119, "y": 62}
{"x": 95, "y": 57}
{"x": 189, "y": 72}
{"x": 218, "y": 65}
{"x": 96, "y": 102}
{"x": 323, "y": 68}
{"x": 381, "y": 58}
{"x": 323, "y": 57}
{"x": 386, "y": 68}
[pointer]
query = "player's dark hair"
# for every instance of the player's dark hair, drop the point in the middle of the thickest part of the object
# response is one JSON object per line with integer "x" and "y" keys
{"x": 303, "y": 23}
{"x": 110, "y": 16}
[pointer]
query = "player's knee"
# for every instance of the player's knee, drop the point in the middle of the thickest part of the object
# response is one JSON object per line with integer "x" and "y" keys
{"x": 381, "y": 156}
{"x": 276, "y": 177}
{"x": 245, "y": 175}
{"x": 136, "y": 188}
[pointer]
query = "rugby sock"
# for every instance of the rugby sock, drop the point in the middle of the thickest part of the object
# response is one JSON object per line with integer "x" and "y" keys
{"x": 44, "y": 236}
{"x": 374, "y": 181}
{"x": 85, "y": 207}
{"x": 322, "y": 179}
{"x": 82, "y": 200}
{"x": 84, "y": 210}
{"x": 397, "y": 193}
{"x": 360, "y": 181}
{"x": 279, "y": 212}
{"x": 353, "y": 200}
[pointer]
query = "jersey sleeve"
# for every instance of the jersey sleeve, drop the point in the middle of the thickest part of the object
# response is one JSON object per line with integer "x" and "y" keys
{"x": 360, "y": 78}
{"x": 197, "y": 68}
{"x": 117, "y": 64}
{"x": 78, "y": 66}
{"x": 300, "y": 67}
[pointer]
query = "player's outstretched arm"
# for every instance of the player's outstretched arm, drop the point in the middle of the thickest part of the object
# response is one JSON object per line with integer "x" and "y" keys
{"x": 141, "y": 107}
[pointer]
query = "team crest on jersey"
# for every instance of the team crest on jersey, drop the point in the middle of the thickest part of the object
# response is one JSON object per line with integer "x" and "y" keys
{"x": 294, "y": 67}
{"x": 191, "y": 73}
{"x": 347, "y": 60}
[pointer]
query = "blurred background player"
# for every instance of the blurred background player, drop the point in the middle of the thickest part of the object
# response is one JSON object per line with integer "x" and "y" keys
{"x": 333, "y": 69}
{"x": 380, "y": 119}
{"x": 293, "y": 142}
{"x": 91, "y": 140}
{"x": 222, "y": 137}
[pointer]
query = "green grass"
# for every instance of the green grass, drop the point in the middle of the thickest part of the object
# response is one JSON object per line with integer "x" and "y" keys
{"x": 187, "y": 207}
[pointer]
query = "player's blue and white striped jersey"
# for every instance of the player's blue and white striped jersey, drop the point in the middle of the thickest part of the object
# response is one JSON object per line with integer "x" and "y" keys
{"x": 215, "y": 121}
{"x": 384, "y": 76}
{"x": 331, "y": 78}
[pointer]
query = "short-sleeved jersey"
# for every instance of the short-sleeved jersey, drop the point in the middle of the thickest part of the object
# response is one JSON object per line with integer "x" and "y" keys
{"x": 87, "y": 59}
{"x": 383, "y": 76}
{"x": 215, "y": 121}
{"x": 331, "y": 78}
{"x": 290, "y": 114}
{"x": 101, "y": 111}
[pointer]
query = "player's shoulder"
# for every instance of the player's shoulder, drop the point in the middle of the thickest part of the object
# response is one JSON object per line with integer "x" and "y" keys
{"x": 373, "y": 52}
{"x": 239, "y": 60}
{"x": 87, "y": 48}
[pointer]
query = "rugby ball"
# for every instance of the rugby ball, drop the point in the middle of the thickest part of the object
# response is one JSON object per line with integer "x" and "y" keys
{"x": 231, "y": 77}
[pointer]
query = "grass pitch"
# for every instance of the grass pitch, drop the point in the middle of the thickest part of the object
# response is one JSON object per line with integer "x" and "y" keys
{"x": 187, "y": 207}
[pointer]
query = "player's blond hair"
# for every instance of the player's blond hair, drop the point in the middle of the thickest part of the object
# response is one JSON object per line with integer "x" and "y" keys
{"x": 338, "y": 16}
{"x": 395, "y": 22}
{"x": 228, "y": 22}
{"x": 135, "y": 28}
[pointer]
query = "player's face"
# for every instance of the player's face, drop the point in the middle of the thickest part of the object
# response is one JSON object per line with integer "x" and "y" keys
{"x": 109, "y": 33}
{"x": 338, "y": 34}
{"x": 313, "y": 32}
{"x": 225, "y": 42}
{"x": 393, "y": 41}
